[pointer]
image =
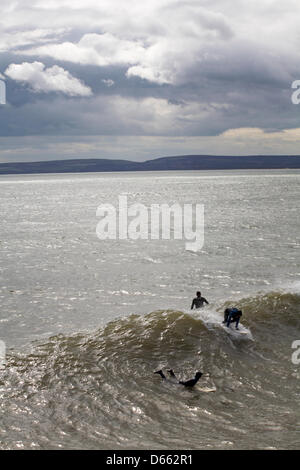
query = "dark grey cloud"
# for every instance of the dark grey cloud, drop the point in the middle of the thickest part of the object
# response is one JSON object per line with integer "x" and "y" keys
{"x": 162, "y": 69}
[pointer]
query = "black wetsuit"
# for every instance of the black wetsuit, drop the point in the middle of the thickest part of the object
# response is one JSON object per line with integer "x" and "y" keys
{"x": 187, "y": 383}
{"x": 232, "y": 315}
{"x": 198, "y": 302}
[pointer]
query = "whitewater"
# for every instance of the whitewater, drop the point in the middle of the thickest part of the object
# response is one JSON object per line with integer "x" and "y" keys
{"x": 86, "y": 322}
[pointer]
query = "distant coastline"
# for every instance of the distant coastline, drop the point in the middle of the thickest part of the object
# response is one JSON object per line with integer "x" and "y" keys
{"x": 184, "y": 162}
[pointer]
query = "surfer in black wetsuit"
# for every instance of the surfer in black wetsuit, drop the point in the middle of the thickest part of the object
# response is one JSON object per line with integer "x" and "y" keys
{"x": 232, "y": 315}
{"x": 187, "y": 383}
{"x": 198, "y": 301}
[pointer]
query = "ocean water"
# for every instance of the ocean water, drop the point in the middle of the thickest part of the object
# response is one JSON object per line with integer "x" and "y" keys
{"x": 86, "y": 322}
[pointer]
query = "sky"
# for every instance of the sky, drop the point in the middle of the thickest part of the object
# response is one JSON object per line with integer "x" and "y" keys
{"x": 145, "y": 79}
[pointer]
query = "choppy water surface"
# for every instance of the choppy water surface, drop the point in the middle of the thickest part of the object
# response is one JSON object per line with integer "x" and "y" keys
{"x": 87, "y": 322}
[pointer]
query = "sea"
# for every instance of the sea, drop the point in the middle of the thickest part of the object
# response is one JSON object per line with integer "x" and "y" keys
{"x": 85, "y": 322}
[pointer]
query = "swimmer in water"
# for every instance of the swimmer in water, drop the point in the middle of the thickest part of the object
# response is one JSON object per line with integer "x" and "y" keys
{"x": 198, "y": 302}
{"x": 187, "y": 383}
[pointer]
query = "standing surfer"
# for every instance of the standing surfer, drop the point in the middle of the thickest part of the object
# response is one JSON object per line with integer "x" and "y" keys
{"x": 231, "y": 315}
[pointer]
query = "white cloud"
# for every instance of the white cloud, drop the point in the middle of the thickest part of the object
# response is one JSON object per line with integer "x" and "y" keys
{"x": 11, "y": 39}
{"x": 93, "y": 49}
{"x": 160, "y": 60}
{"x": 42, "y": 79}
{"x": 169, "y": 41}
{"x": 230, "y": 64}
{"x": 108, "y": 82}
{"x": 159, "y": 47}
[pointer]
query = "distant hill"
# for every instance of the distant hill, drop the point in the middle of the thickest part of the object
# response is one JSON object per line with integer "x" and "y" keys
{"x": 184, "y": 162}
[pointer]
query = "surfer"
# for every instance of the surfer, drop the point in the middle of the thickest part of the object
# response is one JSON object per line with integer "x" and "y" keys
{"x": 187, "y": 383}
{"x": 198, "y": 301}
{"x": 231, "y": 315}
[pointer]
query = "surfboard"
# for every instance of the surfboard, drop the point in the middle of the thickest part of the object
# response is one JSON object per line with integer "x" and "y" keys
{"x": 231, "y": 329}
{"x": 242, "y": 332}
{"x": 206, "y": 389}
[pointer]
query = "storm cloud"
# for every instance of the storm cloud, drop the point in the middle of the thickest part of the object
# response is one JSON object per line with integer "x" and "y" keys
{"x": 140, "y": 79}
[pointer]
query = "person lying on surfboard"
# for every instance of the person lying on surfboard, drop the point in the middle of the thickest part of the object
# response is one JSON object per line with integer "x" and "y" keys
{"x": 187, "y": 383}
{"x": 232, "y": 315}
{"x": 198, "y": 301}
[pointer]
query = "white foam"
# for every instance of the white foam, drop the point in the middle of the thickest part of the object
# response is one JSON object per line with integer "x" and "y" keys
{"x": 213, "y": 319}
